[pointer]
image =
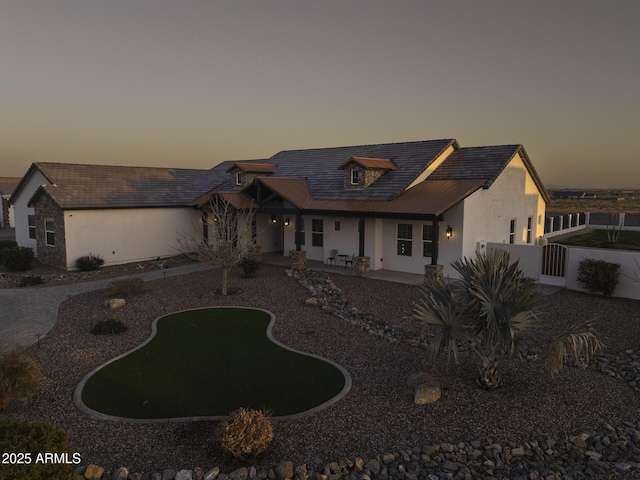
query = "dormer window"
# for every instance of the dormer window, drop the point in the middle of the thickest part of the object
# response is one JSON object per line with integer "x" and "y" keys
{"x": 244, "y": 173}
{"x": 360, "y": 172}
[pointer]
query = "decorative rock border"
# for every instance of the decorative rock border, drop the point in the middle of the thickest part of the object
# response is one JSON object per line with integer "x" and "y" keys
{"x": 608, "y": 450}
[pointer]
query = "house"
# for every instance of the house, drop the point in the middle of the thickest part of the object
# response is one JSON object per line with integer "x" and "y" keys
{"x": 7, "y": 186}
{"x": 124, "y": 214}
{"x": 395, "y": 206}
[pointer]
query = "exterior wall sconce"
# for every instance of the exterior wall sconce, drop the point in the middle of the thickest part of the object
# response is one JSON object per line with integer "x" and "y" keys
{"x": 449, "y": 232}
{"x": 274, "y": 219}
{"x": 287, "y": 221}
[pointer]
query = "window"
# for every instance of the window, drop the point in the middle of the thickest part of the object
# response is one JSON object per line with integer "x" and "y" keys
{"x": 238, "y": 178}
{"x": 355, "y": 177}
{"x": 405, "y": 236}
{"x": 32, "y": 226}
{"x": 49, "y": 232}
{"x": 512, "y": 231}
{"x": 336, "y": 226}
{"x": 529, "y": 226}
{"x": 427, "y": 240}
{"x": 317, "y": 233}
{"x": 302, "y": 234}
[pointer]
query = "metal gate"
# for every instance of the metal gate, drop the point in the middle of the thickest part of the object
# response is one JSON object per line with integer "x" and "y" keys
{"x": 554, "y": 265}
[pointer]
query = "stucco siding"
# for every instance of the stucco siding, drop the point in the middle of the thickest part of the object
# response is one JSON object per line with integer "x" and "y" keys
{"x": 127, "y": 235}
{"x": 22, "y": 211}
{"x": 488, "y": 212}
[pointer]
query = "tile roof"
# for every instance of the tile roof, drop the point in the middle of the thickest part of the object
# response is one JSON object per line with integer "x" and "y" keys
{"x": 105, "y": 186}
{"x": 484, "y": 162}
{"x": 253, "y": 167}
{"x": 320, "y": 167}
{"x": 8, "y": 184}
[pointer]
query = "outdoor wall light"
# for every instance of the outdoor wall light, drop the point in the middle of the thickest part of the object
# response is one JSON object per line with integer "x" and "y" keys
{"x": 449, "y": 232}
{"x": 287, "y": 221}
{"x": 274, "y": 219}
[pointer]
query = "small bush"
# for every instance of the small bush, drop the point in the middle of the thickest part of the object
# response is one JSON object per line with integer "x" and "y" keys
{"x": 109, "y": 327}
{"x": 249, "y": 266}
{"x": 125, "y": 287}
{"x": 17, "y": 259}
{"x": 36, "y": 438}
{"x": 19, "y": 375}
{"x": 30, "y": 280}
{"x": 89, "y": 262}
{"x": 245, "y": 433}
{"x": 598, "y": 276}
{"x": 6, "y": 244}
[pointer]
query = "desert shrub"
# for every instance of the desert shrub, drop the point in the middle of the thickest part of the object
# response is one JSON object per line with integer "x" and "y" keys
{"x": 30, "y": 280}
{"x": 17, "y": 259}
{"x": 19, "y": 374}
{"x": 125, "y": 287}
{"x": 89, "y": 262}
{"x": 245, "y": 433}
{"x": 598, "y": 276}
{"x": 109, "y": 327}
{"x": 36, "y": 439}
{"x": 249, "y": 266}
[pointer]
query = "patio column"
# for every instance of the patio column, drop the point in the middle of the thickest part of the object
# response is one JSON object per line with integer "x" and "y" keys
{"x": 436, "y": 243}
{"x": 298, "y": 230}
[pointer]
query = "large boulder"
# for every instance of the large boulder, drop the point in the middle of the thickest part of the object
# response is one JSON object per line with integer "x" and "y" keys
{"x": 115, "y": 303}
{"x": 426, "y": 388}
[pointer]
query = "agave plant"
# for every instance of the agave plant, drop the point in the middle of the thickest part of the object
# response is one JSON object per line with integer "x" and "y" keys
{"x": 487, "y": 310}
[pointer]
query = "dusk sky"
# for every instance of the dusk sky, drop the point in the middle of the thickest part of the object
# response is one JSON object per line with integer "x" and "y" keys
{"x": 192, "y": 83}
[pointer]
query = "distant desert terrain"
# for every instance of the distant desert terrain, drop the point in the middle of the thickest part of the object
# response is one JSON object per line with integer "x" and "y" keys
{"x": 594, "y": 206}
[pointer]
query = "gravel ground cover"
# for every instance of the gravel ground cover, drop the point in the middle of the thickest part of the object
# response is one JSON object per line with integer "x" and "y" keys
{"x": 377, "y": 415}
{"x": 52, "y": 276}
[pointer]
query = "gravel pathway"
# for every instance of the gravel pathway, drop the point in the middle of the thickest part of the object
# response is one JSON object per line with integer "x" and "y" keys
{"x": 377, "y": 415}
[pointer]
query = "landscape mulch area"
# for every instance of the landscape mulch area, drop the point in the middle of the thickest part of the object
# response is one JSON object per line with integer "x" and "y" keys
{"x": 378, "y": 414}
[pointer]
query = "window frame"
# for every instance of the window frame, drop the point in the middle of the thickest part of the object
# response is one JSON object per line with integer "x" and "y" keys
{"x": 47, "y": 232}
{"x": 512, "y": 231}
{"x": 238, "y": 178}
{"x": 317, "y": 232}
{"x": 355, "y": 176}
{"x": 404, "y": 244}
{"x": 427, "y": 243}
{"x": 529, "y": 230}
{"x": 336, "y": 225}
{"x": 31, "y": 226}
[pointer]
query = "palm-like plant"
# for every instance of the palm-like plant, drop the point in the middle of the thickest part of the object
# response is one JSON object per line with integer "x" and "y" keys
{"x": 488, "y": 309}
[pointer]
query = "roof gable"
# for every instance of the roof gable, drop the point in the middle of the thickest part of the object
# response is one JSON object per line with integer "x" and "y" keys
{"x": 380, "y": 163}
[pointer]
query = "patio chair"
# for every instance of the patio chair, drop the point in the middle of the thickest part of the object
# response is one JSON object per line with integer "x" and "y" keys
{"x": 333, "y": 253}
{"x": 349, "y": 261}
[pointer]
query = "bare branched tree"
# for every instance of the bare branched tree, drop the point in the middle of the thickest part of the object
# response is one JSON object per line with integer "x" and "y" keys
{"x": 227, "y": 237}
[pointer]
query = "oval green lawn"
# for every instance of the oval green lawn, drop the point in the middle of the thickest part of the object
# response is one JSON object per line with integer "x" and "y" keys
{"x": 207, "y": 363}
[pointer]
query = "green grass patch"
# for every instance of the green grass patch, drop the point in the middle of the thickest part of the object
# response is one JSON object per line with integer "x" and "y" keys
{"x": 627, "y": 240}
{"x": 209, "y": 362}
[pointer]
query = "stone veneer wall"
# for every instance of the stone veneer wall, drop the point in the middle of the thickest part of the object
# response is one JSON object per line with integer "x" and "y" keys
{"x": 5, "y": 213}
{"x": 367, "y": 176}
{"x": 56, "y": 255}
{"x": 247, "y": 177}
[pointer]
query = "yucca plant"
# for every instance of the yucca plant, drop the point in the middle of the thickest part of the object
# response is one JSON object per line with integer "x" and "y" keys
{"x": 488, "y": 310}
